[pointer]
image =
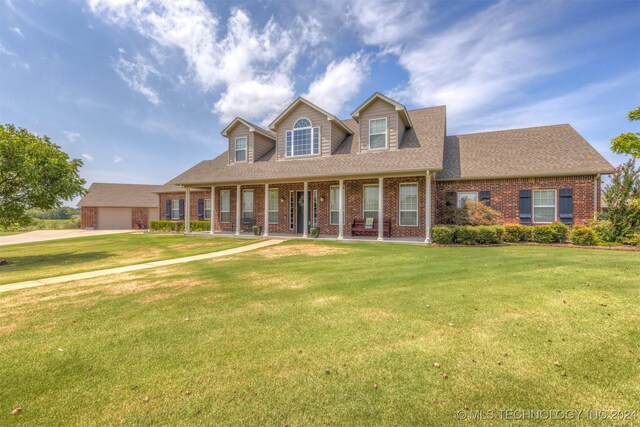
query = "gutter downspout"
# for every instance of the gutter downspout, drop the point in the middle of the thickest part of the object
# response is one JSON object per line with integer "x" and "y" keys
{"x": 596, "y": 194}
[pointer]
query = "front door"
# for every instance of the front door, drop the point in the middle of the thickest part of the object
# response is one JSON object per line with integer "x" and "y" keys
{"x": 300, "y": 210}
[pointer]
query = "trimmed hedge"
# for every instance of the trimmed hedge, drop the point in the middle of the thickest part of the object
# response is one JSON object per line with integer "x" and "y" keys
{"x": 551, "y": 233}
{"x": 442, "y": 235}
{"x": 583, "y": 236}
{"x": 514, "y": 233}
{"x": 178, "y": 226}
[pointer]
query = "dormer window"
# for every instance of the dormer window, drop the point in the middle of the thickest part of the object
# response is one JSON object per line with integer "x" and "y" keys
{"x": 378, "y": 133}
{"x": 303, "y": 140}
{"x": 241, "y": 149}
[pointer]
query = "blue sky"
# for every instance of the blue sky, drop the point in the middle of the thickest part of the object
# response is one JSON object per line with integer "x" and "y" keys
{"x": 141, "y": 90}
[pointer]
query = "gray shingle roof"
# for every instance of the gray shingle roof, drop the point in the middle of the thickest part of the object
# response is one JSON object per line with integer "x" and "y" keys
{"x": 420, "y": 149}
{"x": 120, "y": 195}
{"x": 529, "y": 152}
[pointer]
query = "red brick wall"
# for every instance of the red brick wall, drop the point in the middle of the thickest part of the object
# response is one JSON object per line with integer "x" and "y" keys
{"x": 88, "y": 217}
{"x": 505, "y": 194}
{"x": 140, "y": 218}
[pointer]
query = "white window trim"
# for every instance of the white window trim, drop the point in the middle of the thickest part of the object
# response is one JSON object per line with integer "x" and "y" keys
{"x": 246, "y": 150}
{"x": 337, "y": 187}
{"x": 177, "y": 209}
{"x": 204, "y": 213}
{"x": 533, "y": 206}
{"x": 221, "y": 211}
{"x": 292, "y": 130}
{"x": 363, "y": 200}
{"x": 386, "y": 133}
{"x": 462, "y": 192}
{"x": 417, "y": 224}
{"x": 253, "y": 213}
{"x": 276, "y": 210}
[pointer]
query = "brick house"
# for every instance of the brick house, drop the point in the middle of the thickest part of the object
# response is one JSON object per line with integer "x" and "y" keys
{"x": 311, "y": 169}
{"x": 118, "y": 206}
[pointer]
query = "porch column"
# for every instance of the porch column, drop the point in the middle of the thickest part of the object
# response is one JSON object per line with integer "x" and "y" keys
{"x": 340, "y": 211}
{"x": 213, "y": 209}
{"x": 380, "y": 209}
{"x": 266, "y": 210}
{"x": 238, "y": 210}
{"x": 187, "y": 211}
{"x": 305, "y": 209}
{"x": 427, "y": 210}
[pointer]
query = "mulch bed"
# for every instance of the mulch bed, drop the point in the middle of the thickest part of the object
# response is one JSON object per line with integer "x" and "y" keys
{"x": 558, "y": 245}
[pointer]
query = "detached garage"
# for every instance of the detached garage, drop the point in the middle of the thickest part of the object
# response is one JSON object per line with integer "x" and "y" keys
{"x": 119, "y": 206}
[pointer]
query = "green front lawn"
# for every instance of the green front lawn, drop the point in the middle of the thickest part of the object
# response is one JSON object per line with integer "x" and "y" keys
{"x": 10, "y": 233}
{"x": 32, "y": 261}
{"x": 315, "y": 333}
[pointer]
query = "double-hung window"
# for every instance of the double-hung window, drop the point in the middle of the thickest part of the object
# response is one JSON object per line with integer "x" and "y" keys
{"x": 175, "y": 209}
{"x": 408, "y": 204}
{"x": 370, "y": 209}
{"x": 273, "y": 206}
{"x": 241, "y": 149}
{"x": 207, "y": 208}
{"x": 303, "y": 140}
{"x": 334, "y": 209}
{"x": 378, "y": 133}
{"x": 544, "y": 206}
{"x": 247, "y": 206}
{"x": 467, "y": 196}
{"x": 225, "y": 206}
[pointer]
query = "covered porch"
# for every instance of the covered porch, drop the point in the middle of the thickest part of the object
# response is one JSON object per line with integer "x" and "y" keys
{"x": 344, "y": 208}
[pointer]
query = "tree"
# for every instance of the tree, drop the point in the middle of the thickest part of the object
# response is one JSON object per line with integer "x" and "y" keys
{"x": 34, "y": 173}
{"x": 622, "y": 196}
{"x": 628, "y": 142}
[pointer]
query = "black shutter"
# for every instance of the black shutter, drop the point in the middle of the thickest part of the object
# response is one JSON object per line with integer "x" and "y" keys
{"x": 181, "y": 208}
{"x": 566, "y": 206}
{"x": 450, "y": 199}
{"x": 525, "y": 206}
{"x": 485, "y": 197}
{"x": 200, "y": 209}
{"x": 167, "y": 209}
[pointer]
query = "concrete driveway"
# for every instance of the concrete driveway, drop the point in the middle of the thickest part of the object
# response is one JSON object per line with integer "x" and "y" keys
{"x": 44, "y": 235}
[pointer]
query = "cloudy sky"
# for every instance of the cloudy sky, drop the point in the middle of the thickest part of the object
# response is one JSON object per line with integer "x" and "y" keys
{"x": 141, "y": 89}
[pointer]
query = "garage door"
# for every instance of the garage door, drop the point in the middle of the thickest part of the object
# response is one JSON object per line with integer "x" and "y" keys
{"x": 114, "y": 218}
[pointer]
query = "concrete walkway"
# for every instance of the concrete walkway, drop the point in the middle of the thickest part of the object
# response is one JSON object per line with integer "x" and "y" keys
{"x": 136, "y": 267}
{"x": 44, "y": 235}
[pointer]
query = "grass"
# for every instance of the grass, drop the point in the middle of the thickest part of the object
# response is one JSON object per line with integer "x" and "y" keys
{"x": 32, "y": 261}
{"x": 320, "y": 333}
{"x": 9, "y": 233}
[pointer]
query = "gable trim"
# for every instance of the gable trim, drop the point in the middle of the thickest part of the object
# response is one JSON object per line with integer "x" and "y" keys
{"x": 251, "y": 126}
{"x": 400, "y": 109}
{"x": 330, "y": 117}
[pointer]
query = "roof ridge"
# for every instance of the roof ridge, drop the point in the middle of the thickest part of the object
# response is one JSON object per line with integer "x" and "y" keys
{"x": 512, "y": 129}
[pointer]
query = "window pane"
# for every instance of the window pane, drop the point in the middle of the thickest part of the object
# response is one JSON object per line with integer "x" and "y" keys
{"x": 273, "y": 217}
{"x": 289, "y": 148}
{"x": 302, "y": 142}
{"x": 378, "y": 126}
{"x": 543, "y": 214}
{"x": 225, "y": 216}
{"x": 371, "y": 214}
{"x": 225, "y": 201}
{"x": 335, "y": 217}
{"x": 409, "y": 218}
{"x": 371, "y": 198}
{"x": 464, "y": 196}
{"x": 273, "y": 200}
{"x": 544, "y": 198}
{"x": 241, "y": 156}
{"x": 302, "y": 123}
{"x": 247, "y": 206}
{"x": 408, "y": 197}
{"x": 207, "y": 208}
{"x": 241, "y": 143}
{"x": 377, "y": 141}
{"x": 316, "y": 140}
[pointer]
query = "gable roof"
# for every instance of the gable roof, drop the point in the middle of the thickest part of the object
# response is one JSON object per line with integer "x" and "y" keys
{"x": 420, "y": 150}
{"x": 120, "y": 195}
{"x": 251, "y": 126}
{"x": 402, "y": 111}
{"x": 557, "y": 150}
{"x": 300, "y": 100}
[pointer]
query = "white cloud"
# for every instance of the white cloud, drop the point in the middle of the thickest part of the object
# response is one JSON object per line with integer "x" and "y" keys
{"x": 17, "y": 30}
{"x": 88, "y": 156}
{"x": 340, "y": 82}
{"x": 117, "y": 159}
{"x": 135, "y": 74}
{"x": 384, "y": 22}
{"x": 72, "y": 136}
{"x": 6, "y": 51}
{"x": 245, "y": 60}
{"x": 481, "y": 60}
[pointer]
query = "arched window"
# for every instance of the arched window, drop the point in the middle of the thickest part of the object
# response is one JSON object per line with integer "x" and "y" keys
{"x": 303, "y": 140}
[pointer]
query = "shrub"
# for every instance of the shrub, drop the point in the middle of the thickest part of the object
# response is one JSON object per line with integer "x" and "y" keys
{"x": 583, "y": 236}
{"x": 162, "y": 225}
{"x": 543, "y": 234}
{"x": 622, "y": 197}
{"x": 633, "y": 240}
{"x": 466, "y": 235}
{"x": 489, "y": 234}
{"x": 560, "y": 232}
{"x": 442, "y": 235}
{"x": 605, "y": 230}
{"x": 472, "y": 213}
{"x": 200, "y": 225}
{"x": 517, "y": 233}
